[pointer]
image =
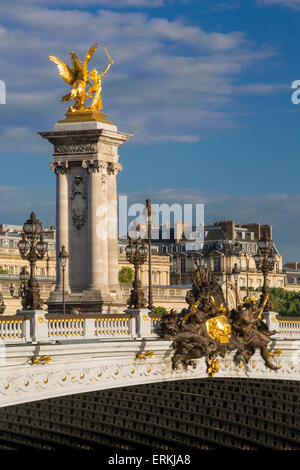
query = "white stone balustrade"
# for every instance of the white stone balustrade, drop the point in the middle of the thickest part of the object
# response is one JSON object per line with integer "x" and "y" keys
{"x": 15, "y": 329}
{"x": 38, "y": 326}
{"x": 289, "y": 326}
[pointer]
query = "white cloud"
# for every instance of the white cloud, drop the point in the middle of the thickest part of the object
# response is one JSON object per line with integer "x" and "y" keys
{"x": 22, "y": 140}
{"x": 279, "y": 210}
{"x": 17, "y": 203}
{"x": 260, "y": 88}
{"x": 284, "y": 3}
{"x": 170, "y": 81}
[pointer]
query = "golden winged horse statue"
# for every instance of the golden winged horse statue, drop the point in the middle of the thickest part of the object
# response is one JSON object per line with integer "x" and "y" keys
{"x": 77, "y": 78}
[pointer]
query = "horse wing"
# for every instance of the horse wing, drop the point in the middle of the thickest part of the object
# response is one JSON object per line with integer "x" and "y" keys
{"x": 88, "y": 57}
{"x": 64, "y": 70}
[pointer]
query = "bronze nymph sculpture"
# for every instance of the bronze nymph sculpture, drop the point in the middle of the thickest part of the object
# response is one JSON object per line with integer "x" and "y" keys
{"x": 208, "y": 330}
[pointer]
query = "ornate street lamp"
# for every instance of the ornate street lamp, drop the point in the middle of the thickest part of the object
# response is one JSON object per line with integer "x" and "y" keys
{"x": 2, "y": 304}
{"x": 136, "y": 254}
{"x": 247, "y": 256}
{"x": 229, "y": 250}
{"x": 236, "y": 272}
{"x": 23, "y": 276}
{"x": 63, "y": 258}
{"x": 265, "y": 260}
{"x": 32, "y": 248}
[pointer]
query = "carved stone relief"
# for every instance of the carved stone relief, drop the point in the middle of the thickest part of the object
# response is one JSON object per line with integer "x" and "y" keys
{"x": 79, "y": 202}
{"x": 76, "y": 148}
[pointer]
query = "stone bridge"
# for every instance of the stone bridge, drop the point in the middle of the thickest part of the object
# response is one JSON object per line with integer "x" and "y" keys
{"x": 107, "y": 380}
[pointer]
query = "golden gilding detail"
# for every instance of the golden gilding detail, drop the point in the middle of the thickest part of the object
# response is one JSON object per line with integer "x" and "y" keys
{"x": 276, "y": 352}
{"x": 145, "y": 354}
{"x": 41, "y": 360}
{"x": 219, "y": 328}
{"x": 78, "y": 77}
{"x": 213, "y": 366}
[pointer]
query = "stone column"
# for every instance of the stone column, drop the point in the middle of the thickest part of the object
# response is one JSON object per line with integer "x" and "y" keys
{"x": 112, "y": 225}
{"x": 62, "y": 220}
{"x": 87, "y": 213}
{"x": 97, "y": 224}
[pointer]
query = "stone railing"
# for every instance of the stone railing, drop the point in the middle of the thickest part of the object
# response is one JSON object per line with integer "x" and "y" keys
{"x": 15, "y": 329}
{"x": 289, "y": 325}
{"x": 40, "y": 326}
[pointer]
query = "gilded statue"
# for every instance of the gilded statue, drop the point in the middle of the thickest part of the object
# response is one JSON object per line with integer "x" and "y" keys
{"x": 78, "y": 78}
{"x": 96, "y": 88}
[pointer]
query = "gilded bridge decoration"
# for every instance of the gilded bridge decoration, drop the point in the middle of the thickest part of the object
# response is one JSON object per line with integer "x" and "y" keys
{"x": 78, "y": 77}
{"x": 208, "y": 330}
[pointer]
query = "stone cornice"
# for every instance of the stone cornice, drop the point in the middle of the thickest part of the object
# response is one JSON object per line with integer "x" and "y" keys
{"x": 83, "y": 367}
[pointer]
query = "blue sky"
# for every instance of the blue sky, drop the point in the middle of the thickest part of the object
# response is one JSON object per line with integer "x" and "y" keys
{"x": 204, "y": 87}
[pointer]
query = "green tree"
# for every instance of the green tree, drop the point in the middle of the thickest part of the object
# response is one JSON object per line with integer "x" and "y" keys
{"x": 160, "y": 310}
{"x": 286, "y": 303}
{"x": 126, "y": 275}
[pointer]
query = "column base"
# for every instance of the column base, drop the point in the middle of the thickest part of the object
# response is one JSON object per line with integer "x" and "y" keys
{"x": 88, "y": 301}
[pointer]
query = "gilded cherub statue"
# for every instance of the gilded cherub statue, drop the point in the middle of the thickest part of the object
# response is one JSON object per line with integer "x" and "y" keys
{"x": 77, "y": 78}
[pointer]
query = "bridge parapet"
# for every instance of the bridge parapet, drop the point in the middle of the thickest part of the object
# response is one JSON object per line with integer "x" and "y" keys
{"x": 289, "y": 326}
{"x": 40, "y": 326}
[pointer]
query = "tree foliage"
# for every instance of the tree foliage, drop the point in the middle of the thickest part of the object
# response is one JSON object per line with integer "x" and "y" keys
{"x": 286, "y": 303}
{"x": 126, "y": 275}
{"x": 160, "y": 310}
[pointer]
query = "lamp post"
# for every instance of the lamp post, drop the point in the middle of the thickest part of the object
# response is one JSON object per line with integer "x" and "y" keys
{"x": 32, "y": 248}
{"x": 63, "y": 258}
{"x": 265, "y": 260}
{"x": 236, "y": 272}
{"x": 136, "y": 254}
{"x": 23, "y": 276}
{"x": 149, "y": 223}
{"x": 2, "y": 304}
{"x": 229, "y": 250}
{"x": 247, "y": 258}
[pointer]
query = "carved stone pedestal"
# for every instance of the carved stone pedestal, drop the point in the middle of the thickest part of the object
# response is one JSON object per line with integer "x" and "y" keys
{"x": 86, "y": 166}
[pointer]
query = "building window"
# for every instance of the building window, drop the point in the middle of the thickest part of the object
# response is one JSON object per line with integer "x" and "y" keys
{"x": 11, "y": 270}
{"x": 182, "y": 265}
{"x": 216, "y": 264}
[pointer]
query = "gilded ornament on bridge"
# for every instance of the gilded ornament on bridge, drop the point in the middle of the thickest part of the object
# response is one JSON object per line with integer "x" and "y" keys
{"x": 209, "y": 330}
{"x": 213, "y": 367}
{"x": 41, "y": 360}
{"x": 219, "y": 328}
{"x": 145, "y": 354}
{"x": 79, "y": 78}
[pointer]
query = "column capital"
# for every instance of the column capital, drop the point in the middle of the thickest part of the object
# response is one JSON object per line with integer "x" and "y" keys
{"x": 114, "y": 168}
{"x": 60, "y": 168}
{"x": 94, "y": 166}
